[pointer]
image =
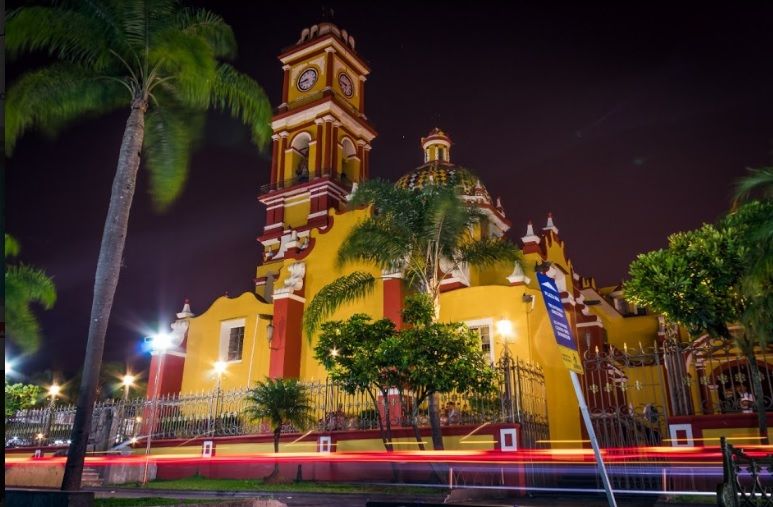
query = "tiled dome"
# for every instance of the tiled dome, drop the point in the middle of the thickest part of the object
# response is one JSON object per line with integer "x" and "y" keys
{"x": 438, "y": 173}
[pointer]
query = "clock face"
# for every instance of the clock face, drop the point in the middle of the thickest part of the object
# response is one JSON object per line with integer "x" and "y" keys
{"x": 345, "y": 83}
{"x": 307, "y": 79}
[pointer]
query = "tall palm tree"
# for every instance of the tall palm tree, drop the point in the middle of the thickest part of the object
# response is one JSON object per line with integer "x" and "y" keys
{"x": 426, "y": 233}
{"x": 280, "y": 401}
{"x": 25, "y": 285}
{"x": 161, "y": 62}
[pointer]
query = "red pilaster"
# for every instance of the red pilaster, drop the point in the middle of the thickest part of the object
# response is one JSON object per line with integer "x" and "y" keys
{"x": 366, "y": 164}
{"x": 334, "y": 149}
{"x": 286, "y": 344}
{"x": 274, "y": 159}
{"x": 319, "y": 147}
{"x": 170, "y": 378}
{"x": 286, "y": 84}
{"x": 281, "y": 164}
{"x": 362, "y": 94}
{"x": 393, "y": 300}
{"x": 328, "y": 143}
{"x": 329, "y": 68}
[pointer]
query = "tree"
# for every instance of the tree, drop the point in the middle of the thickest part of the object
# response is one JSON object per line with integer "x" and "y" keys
{"x": 425, "y": 358}
{"x": 165, "y": 64}
{"x": 352, "y": 353}
{"x": 281, "y": 402}
{"x": 697, "y": 282}
{"x": 437, "y": 357}
{"x": 25, "y": 285}
{"x": 21, "y": 397}
{"x": 757, "y": 283}
{"x": 426, "y": 233}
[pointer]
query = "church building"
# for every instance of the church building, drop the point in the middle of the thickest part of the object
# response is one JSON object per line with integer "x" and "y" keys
{"x": 321, "y": 151}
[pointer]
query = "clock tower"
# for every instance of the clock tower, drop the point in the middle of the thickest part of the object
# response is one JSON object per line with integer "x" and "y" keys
{"x": 321, "y": 137}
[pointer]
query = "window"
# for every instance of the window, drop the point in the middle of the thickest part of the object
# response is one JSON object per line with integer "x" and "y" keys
{"x": 231, "y": 340}
{"x": 483, "y": 330}
{"x": 235, "y": 344}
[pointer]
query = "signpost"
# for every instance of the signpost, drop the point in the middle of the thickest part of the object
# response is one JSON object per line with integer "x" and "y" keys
{"x": 567, "y": 346}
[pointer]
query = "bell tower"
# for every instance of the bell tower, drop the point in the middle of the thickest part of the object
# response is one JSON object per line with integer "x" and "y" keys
{"x": 321, "y": 138}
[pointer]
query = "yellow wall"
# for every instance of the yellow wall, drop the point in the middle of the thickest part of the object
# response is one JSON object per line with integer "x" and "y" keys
{"x": 204, "y": 344}
{"x": 505, "y": 302}
{"x": 338, "y": 67}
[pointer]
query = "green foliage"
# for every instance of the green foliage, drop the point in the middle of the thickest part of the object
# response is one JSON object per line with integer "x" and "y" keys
{"x": 107, "y": 55}
{"x": 426, "y": 358}
{"x": 418, "y": 310}
{"x": 280, "y": 401}
{"x": 425, "y": 233}
{"x": 758, "y": 180}
{"x": 21, "y": 397}
{"x": 352, "y": 353}
{"x": 697, "y": 280}
{"x": 25, "y": 285}
{"x": 343, "y": 290}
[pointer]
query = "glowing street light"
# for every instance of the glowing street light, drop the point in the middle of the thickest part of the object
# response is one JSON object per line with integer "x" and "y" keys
{"x": 220, "y": 367}
{"x": 54, "y": 390}
{"x": 127, "y": 381}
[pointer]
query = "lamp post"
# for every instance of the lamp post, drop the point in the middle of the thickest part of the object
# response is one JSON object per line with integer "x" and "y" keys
{"x": 220, "y": 368}
{"x": 159, "y": 344}
{"x": 53, "y": 391}
{"x": 505, "y": 331}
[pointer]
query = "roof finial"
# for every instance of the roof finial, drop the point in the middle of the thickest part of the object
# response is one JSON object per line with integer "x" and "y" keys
{"x": 550, "y": 226}
{"x": 186, "y": 311}
{"x": 530, "y": 236}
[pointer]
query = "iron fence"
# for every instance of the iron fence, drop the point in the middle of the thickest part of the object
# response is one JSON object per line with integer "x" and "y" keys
{"x": 519, "y": 397}
{"x": 747, "y": 480}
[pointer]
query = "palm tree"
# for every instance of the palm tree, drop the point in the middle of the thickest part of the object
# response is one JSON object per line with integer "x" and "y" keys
{"x": 426, "y": 233}
{"x": 757, "y": 283}
{"x": 162, "y": 62}
{"x": 280, "y": 401}
{"x": 25, "y": 285}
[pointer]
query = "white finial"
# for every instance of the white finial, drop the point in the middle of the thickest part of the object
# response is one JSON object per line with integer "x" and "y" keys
{"x": 186, "y": 311}
{"x": 518, "y": 276}
{"x": 530, "y": 236}
{"x": 550, "y": 226}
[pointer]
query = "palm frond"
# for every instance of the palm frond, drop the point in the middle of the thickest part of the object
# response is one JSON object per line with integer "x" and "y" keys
{"x": 281, "y": 401}
{"x": 54, "y": 96}
{"x": 757, "y": 180}
{"x": 25, "y": 285}
{"x": 378, "y": 240}
{"x": 169, "y": 137}
{"x": 240, "y": 96}
{"x": 189, "y": 61}
{"x": 331, "y": 297}
{"x": 210, "y": 27}
{"x": 488, "y": 251}
{"x": 12, "y": 246}
{"x": 62, "y": 33}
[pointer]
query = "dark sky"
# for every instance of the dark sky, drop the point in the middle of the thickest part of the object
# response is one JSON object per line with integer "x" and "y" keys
{"x": 627, "y": 123}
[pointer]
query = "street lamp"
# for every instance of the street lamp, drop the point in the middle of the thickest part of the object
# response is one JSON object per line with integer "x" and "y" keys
{"x": 220, "y": 367}
{"x": 505, "y": 331}
{"x": 53, "y": 391}
{"x": 159, "y": 344}
{"x": 127, "y": 381}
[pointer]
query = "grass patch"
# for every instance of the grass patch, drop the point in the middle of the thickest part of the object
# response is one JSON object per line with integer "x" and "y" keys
{"x": 129, "y": 502}
{"x": 203, "y": 483}
{"x": 693, "y": 499}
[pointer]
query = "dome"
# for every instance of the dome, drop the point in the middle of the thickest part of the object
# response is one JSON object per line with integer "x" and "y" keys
{"x": 442, "y": 174}
{"x": 438, "y": 169}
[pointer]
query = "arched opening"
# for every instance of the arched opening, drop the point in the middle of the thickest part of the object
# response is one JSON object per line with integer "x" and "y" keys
{"x": 299, "y": 158}
{"x": 350, "y": 163}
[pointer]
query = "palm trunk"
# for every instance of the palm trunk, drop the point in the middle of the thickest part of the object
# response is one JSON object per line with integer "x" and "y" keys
{"x": 277, "y": 436}
{"x": 106, "y": 280}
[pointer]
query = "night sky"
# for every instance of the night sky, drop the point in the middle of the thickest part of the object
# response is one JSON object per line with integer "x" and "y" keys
{"x": 628, "y": 124}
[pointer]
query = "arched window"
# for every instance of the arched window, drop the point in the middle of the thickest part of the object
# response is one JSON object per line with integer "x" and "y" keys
{"x": 350, "y": 164}
{"x": 299, "y": 157}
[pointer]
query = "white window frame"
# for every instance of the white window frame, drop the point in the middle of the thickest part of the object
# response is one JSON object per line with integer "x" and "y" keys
{"x": 225, "y": 336}
{"x": 484, "y": 323}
